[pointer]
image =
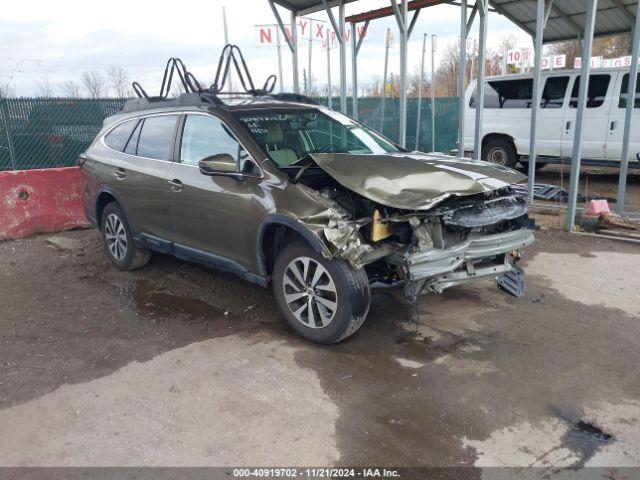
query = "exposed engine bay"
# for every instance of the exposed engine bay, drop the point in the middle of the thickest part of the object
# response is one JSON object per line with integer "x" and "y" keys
{"x": 459, "y": 239}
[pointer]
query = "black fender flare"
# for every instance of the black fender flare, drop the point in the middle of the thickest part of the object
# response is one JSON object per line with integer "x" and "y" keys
{"x": 295, "y": 225}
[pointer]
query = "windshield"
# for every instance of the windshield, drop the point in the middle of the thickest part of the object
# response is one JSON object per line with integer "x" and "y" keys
{"x": 288, "y": 136}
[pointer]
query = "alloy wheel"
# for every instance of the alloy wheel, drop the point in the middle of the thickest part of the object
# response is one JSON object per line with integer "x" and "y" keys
{"x": 116, "y": 236}
{"x": 310, "y": 292}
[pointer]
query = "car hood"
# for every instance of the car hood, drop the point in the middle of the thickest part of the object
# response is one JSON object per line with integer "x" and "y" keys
{"x": 413, "y": 180}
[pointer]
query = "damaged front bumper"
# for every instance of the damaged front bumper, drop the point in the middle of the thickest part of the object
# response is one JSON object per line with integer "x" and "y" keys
{"x": 434, "y": 270}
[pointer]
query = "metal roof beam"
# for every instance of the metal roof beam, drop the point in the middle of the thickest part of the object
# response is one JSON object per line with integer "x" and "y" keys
{"x": 498, "y": 8}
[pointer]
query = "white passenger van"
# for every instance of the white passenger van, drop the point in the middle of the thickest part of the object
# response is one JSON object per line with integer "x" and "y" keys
{"x": 507, "y": 118}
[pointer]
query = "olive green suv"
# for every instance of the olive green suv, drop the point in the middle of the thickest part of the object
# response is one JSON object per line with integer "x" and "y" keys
{"x": 288, "y": 193}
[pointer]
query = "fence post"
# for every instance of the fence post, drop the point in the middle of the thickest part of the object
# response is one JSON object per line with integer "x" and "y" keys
{"x": 5, "y": 112}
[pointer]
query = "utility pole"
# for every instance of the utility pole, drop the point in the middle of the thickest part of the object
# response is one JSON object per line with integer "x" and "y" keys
{"x": 384, "y": 78}
{"x": 420, "y": 84}
{"x": 433, "y": 93}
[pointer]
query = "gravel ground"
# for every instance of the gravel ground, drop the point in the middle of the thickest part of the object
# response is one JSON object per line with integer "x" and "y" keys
{"x": 177, "y": 365}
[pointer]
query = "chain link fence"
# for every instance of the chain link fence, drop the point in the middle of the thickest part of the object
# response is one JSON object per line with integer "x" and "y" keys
{"x": 45, "y": 133}
{"x": 384, "y": 117}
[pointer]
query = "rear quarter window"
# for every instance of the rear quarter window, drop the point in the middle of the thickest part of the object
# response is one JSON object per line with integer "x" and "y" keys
{"x": 117, "y": 138}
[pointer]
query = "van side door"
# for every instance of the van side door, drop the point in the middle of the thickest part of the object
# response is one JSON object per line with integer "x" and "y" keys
{"x": 595, "y": 120}
{"x": 551, "y": 116}
{"x": 617, "y": 119}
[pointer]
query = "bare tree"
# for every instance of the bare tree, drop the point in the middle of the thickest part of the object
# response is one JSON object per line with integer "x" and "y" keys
{"x": 94, "y": 83}
{"x": 71, "y": 89}
{"x": 44, "y": 88}
{"x": 608, "y": 47}
{"x": 6, "y": 90}
{"x": 118, "y": 81}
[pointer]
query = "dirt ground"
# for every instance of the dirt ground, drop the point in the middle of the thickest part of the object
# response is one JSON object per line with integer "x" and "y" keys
{"x": 177, "y": 365}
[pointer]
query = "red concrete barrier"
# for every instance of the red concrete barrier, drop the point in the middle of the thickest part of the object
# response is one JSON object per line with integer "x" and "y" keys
{"x": 37, "y": 201}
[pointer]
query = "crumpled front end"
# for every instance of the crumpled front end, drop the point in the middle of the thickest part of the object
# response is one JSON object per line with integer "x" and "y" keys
{"x": 464, "y": 243}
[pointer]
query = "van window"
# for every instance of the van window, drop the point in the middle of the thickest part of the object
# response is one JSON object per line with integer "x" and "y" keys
{"x": 554, "y": 91}
{"x": 506, "y": 94}
{"x": 204, "y": 136}
{"x": 598, "y": 86}
{"x": 624, "y": 89}
{"x": 117, "y": 138}
{"x": 156, "y": 137}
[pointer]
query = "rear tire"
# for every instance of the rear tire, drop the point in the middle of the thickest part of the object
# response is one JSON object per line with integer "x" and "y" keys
{"x": 118, "y": 240}
{"x": 337, "y": 295}
{"x": 500, "y": 152}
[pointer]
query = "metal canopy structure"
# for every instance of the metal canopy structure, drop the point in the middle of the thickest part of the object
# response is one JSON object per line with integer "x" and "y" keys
{"x": 547, "y": 21}
{"x": 567, "y": 19}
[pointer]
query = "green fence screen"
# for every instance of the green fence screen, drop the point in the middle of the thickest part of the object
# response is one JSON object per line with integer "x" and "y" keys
{"x": 44, "y": 133}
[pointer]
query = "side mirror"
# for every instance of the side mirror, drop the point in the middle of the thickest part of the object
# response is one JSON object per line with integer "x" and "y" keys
{"x": 219, "y": 164}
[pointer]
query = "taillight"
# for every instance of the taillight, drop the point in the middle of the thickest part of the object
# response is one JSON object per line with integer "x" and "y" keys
{"x": 81, "y": 159}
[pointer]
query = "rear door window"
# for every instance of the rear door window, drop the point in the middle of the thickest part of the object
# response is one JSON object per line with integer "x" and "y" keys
{"x": 598, "y": 87}
{"x": 554, "y": 92}
{"x": 624, "y": 92}
{"x": 515, "y": 93}
{"x": 117, "y": 138}
{"x": 156, "y": 137}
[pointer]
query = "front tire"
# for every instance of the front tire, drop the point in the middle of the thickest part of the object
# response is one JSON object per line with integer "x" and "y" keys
{"x": 118, "y": 240}
{"x": 500, "y": 152}
{"x": 323, "y": 300}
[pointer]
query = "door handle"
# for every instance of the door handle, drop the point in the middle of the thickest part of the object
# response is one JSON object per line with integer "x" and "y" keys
{"x": 567, "y": 126}
{"x": 119, "y": 173}
{"x": 176, "y": 185}
{"x": 613, "y": 126}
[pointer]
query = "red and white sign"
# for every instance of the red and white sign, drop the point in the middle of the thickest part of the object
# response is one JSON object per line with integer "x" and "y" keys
{"x": 306, "y": 29}
{"x": 599, "y": 62}
{"x": 525, "y": 58}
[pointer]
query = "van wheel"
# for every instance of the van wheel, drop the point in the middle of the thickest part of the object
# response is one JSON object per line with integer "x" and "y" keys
{"x": 501, "y": 152}
{"x": 118, "y": 240}
{"x": 323, "y": 300}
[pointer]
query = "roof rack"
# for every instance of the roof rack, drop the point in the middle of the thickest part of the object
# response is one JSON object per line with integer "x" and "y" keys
{"x": 196, "y": 95}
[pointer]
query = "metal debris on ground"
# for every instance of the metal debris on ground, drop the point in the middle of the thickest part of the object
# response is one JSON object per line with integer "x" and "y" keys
{"x": 512, "y": 282}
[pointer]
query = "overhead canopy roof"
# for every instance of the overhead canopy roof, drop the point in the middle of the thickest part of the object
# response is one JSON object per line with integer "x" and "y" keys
{"x": 304, "y": 7}
{"x": 567, "y": 17}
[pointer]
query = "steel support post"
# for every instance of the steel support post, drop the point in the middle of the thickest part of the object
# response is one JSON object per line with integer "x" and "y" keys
{"x": 354, "y": 72}
{"x": 585, "y": 71}
{"x": 419, "y": 112}
{"x": 384, "y": 80}
{"x": 401, "y": 19}
{"x": 291, "y": 42}
{"x": 330, "y": 93}
{"x": 631, "y": 95}
{"x": 462, "y": 75}
{"x": 343, "y": 61}
{"x": 294, "y": 53}
{"x": 483, "y": 9}
{"x": 537, "y": 95}
{"x": 433, "y": 94}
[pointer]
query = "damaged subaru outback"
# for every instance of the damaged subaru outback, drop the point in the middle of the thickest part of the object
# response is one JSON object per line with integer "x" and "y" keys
{"x": 282, "y": 191}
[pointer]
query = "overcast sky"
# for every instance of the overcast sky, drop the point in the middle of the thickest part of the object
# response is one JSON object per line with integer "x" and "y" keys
{"x": 61, "y": 39}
